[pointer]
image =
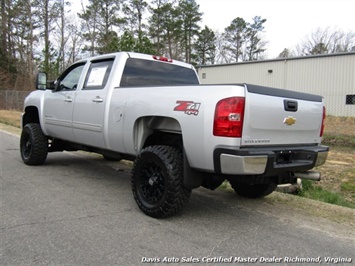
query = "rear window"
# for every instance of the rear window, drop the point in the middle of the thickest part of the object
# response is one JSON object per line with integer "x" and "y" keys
{"x": 139, "y": 72}
{"x": 98, "y": 74}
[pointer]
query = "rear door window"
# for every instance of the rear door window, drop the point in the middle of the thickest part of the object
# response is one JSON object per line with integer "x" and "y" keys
{"x": 98, "y": 74}
{"x": 139, "y": 73}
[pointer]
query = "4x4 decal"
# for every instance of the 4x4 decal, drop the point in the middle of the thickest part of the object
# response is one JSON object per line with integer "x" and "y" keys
{"x": 189, "y": 107}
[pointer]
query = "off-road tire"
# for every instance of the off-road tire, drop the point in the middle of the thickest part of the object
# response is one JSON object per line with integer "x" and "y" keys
{"x": 157, "y": 181}
{"x": 33, "y": 145}
{"x": 253, "y": 191}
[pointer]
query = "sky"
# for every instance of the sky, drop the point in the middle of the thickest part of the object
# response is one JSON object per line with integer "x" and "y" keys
{"x": 288, "y": 21}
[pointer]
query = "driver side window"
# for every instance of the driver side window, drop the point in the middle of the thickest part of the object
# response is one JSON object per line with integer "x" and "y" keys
{"x": 70, "y": 78}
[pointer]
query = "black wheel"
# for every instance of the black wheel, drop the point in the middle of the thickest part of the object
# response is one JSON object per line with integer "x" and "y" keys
{"x": 33, "y": 145}
{"x": 253, "y": 191}
{"x": 157, "y": 183}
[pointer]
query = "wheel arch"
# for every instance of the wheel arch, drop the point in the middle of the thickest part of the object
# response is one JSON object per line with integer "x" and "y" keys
{"x": 159, "y": 130}
{"x": 30, "y": 115}
{"x": 156, "y": 130}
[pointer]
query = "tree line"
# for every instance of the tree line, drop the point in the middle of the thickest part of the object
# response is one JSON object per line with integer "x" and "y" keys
{"x": 47, "y": 35}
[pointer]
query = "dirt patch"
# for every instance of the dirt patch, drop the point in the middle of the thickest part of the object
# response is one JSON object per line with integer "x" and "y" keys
{"x": 9, "y": 117}
{"x": 340, "y": 125}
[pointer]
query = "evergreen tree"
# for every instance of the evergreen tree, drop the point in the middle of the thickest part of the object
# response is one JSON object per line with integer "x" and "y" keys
{"x": 190, "y": 17}
{"x": 205, "y": 47}
{"x": 24, "y": 20}
{"x": 171, "y": 29}
{"x": 127, "y": 42}
{"x": 47, "y": 12}
{"x": 255, "y": 46}
{"x": 134, "y": 11}
{"x": 101, "y": 18}
{"x": 235, "y": 35}
{"x": 156, "y": 23}
{"x": 8, "y": 69}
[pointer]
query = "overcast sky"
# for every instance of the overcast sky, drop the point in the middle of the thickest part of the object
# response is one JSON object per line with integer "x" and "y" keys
{"x": 288, "y": 21}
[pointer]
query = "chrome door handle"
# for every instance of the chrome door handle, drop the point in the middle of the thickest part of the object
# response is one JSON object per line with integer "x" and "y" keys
{"x": 97, "y": 100}
{"x": 68, "y": 100}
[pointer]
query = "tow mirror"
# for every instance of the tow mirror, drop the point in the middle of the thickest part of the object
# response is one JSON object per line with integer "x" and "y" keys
{"x": 41, "y": 81}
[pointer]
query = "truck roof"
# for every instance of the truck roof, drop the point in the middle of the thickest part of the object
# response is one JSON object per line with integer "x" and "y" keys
{"x": 139, "y": 56}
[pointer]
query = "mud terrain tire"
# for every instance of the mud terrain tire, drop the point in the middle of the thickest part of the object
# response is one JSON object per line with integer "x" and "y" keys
{"x": 33, "y": 145}
{"x": 157, "y": 181}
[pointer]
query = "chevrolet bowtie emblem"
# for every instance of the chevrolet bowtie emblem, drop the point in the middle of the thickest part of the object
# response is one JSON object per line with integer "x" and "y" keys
{"x": 289, "y": 120}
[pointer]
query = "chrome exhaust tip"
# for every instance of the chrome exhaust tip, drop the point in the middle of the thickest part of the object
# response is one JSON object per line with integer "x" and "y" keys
{"x": 309, "y": 175}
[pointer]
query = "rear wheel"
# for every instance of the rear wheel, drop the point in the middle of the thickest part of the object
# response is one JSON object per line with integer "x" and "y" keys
{"x": 157, "y": 181}
{"x": 253, "y": 191}
{"x": 33, "y": 145}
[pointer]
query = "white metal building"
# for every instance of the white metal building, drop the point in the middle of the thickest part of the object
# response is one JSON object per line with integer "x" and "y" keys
{"x": 332, "y": 76}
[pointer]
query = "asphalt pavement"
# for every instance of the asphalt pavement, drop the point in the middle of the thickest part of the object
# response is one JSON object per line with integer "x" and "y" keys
{"x": 78, "y": 209}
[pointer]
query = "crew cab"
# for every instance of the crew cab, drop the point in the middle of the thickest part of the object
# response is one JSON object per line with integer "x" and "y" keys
{"x": 180, "y": 135}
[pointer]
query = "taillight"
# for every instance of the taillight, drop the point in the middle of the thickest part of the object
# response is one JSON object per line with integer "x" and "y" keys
{"x": 161, "y": 58}
{"x": 228, "y": 117}
{"x": 322, "y": 127}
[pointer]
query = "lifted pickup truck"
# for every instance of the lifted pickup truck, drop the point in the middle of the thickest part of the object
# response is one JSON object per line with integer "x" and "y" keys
{"x": 180, "y": 135}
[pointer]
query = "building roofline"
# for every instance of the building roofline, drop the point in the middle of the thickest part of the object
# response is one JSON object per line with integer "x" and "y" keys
{"x": 278, "y": 59}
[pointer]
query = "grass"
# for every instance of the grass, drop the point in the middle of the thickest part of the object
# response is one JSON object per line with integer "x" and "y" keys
{"x": 312, "y": 191}
{"x": 338, "y": 173}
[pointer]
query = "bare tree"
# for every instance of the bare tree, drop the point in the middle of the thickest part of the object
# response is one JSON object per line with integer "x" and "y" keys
{"x": 222, "y": 51}
{"x": 326, "y": 41}
{"x": 62, "y": 37}
{"x": 75, "y": 42}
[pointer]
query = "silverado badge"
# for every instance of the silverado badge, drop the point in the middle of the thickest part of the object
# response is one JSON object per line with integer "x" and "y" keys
{"x": 289, "y": 120}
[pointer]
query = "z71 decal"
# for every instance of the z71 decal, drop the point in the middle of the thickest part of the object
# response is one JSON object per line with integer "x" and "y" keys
{"x": 189, "y": 107}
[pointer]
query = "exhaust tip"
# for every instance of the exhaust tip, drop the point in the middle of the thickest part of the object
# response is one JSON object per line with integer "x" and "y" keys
{"x": 309, "y": 175}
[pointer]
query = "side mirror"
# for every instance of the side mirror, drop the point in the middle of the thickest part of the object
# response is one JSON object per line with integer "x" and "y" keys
{"x": 41, "y": 81}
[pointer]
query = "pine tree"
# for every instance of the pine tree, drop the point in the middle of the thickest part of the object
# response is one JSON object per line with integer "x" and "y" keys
{"x": 190, "y": 17}
{"x": 156, "y": 23}
{"x": 235, "y": 37}
{"x": 205, "y": 47}
{"x": 255, "y": 46}
{"x": 100, "y": 22}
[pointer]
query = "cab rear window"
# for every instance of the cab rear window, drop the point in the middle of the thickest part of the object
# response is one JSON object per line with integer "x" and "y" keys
{"x": 139, "y": 73}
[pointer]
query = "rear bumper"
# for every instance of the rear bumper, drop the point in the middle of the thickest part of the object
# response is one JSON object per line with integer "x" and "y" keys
{"x": 268, "y": 161}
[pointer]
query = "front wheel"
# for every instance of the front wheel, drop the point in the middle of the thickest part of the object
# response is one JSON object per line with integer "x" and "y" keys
{"x": 253, "y": 191}
{"x": 33, "y": 145}
{"x": 157, "y": 181}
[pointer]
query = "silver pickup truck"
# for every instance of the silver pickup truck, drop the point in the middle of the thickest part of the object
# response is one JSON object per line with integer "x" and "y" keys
{"x": 180, "y": 135}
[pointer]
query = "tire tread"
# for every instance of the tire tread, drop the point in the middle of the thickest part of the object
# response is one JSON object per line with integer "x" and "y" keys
{"x": 177, "y": 194}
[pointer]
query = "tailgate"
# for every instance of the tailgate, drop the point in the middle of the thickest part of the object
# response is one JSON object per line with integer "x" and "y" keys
{"x": 281, "y": 117}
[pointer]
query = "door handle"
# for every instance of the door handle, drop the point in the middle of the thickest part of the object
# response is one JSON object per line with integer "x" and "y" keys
{"x": 68, "y": 100}
{"x": 290, "y": 106}
{"x": 98, "y": 100}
